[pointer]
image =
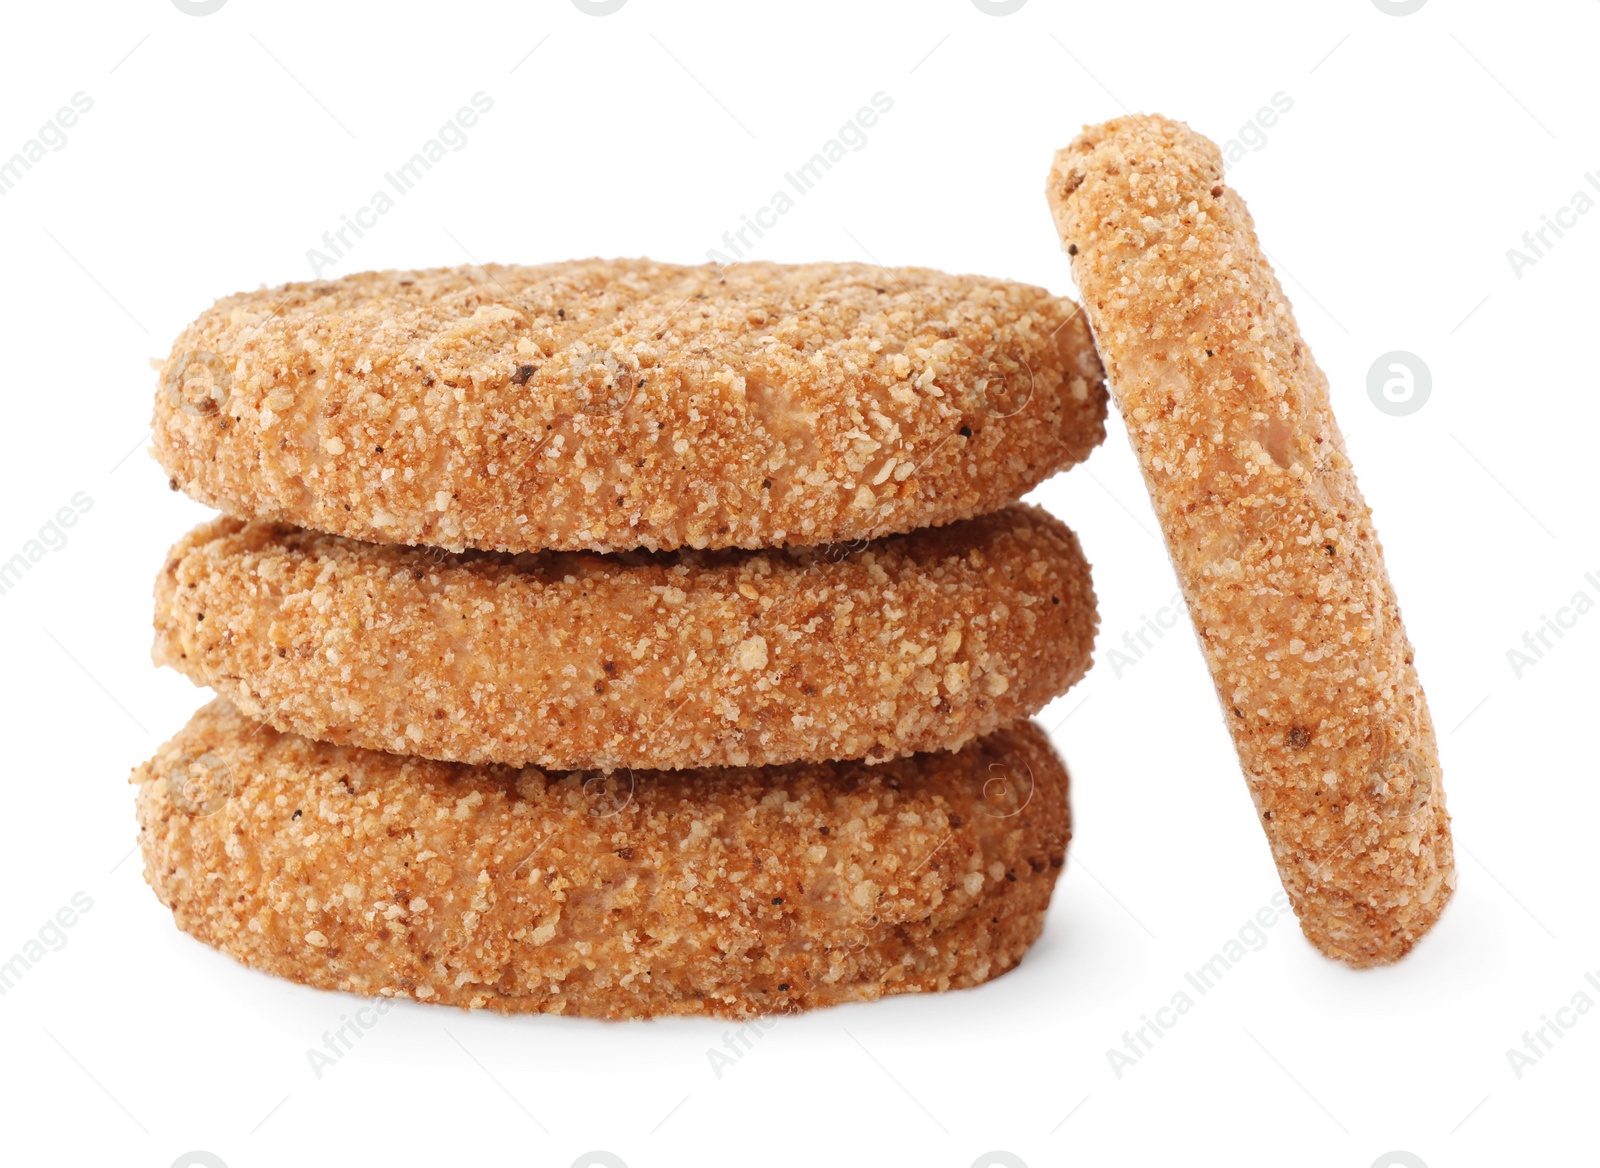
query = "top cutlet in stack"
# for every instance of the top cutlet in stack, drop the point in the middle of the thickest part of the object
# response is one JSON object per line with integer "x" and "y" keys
{"x": 483, "y": 526}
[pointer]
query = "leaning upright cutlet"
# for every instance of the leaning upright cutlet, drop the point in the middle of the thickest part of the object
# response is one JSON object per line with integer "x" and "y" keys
{"x": 1271, "y": 539}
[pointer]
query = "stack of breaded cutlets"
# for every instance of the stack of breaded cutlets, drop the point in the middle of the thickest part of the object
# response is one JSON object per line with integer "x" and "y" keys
{"x": 619, "y": 638}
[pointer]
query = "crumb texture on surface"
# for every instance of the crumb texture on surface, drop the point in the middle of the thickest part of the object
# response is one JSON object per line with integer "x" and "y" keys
{"x": 725, "y": 892}
{"x": 604, "y": 405}
{"x": 575, "y": 660}
{"x": 1272, "y": 541}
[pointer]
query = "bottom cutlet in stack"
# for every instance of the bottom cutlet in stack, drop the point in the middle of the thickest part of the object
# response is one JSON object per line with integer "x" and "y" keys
{"x": 729, "y": 781}
{"x": 732, "y": 891}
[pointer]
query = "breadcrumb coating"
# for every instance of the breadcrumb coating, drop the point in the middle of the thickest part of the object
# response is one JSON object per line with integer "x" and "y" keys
{"x": 604, "y": 405}
{"x": 1272, "y": 541}
{"x": 575, "y": 660}
{"x": 725, "y": 892}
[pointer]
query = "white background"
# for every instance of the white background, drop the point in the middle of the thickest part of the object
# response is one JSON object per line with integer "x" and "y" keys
{"x": 1418, "y": 150}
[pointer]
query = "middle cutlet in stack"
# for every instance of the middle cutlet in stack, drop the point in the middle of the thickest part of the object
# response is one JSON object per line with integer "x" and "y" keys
{"x": 629, "y": 638}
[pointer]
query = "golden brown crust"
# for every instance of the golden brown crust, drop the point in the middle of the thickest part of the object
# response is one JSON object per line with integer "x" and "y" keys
{"x": 732, "y": 892}
{"x": 569, "y": 659}
{"x": 1271, "y": 538}
{"x": 604, "y": 405}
